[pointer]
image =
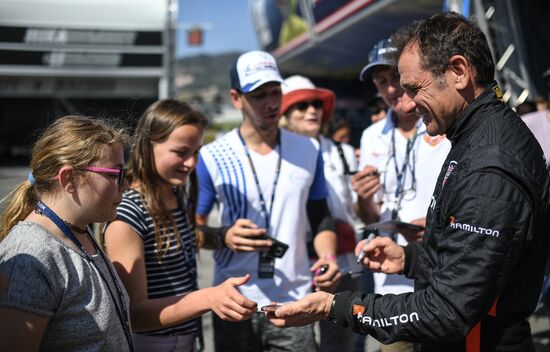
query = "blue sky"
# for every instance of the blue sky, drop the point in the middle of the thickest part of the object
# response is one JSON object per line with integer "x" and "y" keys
{"x": 230, "y": 26}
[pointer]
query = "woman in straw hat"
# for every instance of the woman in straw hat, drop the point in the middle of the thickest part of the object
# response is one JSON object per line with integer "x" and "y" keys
{"x": 306, "y": 109}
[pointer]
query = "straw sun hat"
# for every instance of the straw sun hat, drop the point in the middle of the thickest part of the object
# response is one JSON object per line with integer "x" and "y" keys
{"x": 299, "y": 88}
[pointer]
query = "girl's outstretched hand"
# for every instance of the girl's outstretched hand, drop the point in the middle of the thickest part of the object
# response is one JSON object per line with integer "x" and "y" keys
{"x": 228, "y": 303}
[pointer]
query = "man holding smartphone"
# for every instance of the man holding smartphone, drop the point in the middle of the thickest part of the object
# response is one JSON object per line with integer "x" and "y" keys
{"x": 271, "y": 189}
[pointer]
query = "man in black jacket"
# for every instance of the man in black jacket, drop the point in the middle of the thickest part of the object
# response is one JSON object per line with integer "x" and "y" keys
{"x": 479, "y": 268}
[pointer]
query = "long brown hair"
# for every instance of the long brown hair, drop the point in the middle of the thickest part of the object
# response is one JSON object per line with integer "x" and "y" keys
{"x": 154, "y": 126}
{"x": 71, "y": 140}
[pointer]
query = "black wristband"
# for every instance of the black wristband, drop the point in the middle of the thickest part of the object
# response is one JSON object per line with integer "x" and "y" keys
{"x": 214, "y": 237}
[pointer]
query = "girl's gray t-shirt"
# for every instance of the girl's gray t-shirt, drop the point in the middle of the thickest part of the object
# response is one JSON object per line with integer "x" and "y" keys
{"x": 45, "y": 276}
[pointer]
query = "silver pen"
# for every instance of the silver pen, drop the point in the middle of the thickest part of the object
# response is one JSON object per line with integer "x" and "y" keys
{"x": 363, "y": 254}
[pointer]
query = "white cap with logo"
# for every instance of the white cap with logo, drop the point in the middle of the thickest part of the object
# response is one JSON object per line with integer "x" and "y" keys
{"x": 253, "y": 69}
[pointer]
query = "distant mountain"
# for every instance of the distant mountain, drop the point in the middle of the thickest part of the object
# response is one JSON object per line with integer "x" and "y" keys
{"x": 204, "y": 74}
{"x": 203, "y": 81}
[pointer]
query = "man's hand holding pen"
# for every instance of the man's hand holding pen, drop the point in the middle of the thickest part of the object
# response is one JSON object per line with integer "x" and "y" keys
{"x": 363, "y": 254}
{"x": 381, "y": 254}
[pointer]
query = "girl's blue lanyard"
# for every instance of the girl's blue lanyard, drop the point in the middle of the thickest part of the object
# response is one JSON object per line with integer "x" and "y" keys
{"x": 400, "y": 174}
{"x": 122, "y": 310}
{"x": 264, "y": 212}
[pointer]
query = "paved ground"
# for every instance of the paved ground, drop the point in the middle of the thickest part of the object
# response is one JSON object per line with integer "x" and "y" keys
{"x": 11, "y": 176}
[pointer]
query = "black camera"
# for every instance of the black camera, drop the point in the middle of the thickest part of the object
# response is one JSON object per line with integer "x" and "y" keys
{"x": 278, "y": 248}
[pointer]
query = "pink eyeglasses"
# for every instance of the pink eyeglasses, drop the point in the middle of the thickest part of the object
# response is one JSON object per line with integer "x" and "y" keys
{"x": 120, "y": 172}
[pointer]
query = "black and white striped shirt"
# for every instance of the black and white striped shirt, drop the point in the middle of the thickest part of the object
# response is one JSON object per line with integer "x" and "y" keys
{"x": 173, "y": 274}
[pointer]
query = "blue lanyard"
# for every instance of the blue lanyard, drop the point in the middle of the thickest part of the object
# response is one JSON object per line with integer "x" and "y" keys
{"x": 264, "y": 212}
{"x": 400, "y": 174}
{"x": 122, "y": 310}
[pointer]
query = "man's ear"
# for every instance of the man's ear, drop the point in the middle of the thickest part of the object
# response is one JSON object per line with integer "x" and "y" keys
{"x": 236, "y": 99}
{"x": 66, "y": 178}
{"x": 460, "y": 67}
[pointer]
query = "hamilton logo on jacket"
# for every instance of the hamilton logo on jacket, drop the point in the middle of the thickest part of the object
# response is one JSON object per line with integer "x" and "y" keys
{"x": 471, "y": 228}
{"x": 359, "y": 313}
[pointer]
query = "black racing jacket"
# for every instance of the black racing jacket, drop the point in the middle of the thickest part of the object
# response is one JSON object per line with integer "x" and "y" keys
{"x": 479, "y": 268}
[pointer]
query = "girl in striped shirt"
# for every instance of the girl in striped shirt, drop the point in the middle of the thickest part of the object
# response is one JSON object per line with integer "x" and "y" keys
{"x": 153, "y": 240}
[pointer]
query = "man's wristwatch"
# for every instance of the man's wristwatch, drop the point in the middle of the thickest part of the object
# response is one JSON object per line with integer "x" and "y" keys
{"x": 332, "y": 314}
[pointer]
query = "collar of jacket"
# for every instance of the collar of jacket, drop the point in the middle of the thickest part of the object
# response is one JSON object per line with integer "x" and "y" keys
{"x": 465, "y": 123}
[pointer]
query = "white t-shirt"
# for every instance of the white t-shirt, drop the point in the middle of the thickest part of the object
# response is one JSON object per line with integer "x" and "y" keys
{"x": 539, "y": 123}
{"x": 225, "y": 176}
{"x": 425, "y": 160}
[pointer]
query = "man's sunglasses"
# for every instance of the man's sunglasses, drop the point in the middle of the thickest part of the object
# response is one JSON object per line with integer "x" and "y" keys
{"x": 119, "y": 172}
{"x": 303, "y": 105}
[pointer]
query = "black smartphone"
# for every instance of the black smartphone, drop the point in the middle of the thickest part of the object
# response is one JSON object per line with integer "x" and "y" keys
{"x": 278, "y": 248}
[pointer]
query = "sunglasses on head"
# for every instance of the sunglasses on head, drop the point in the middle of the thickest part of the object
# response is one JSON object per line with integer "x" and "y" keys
{"x": 119, "y": 172}
{"x": 303, "y": 105}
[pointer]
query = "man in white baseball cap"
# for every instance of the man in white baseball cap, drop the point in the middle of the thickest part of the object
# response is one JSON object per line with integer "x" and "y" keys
{"x": 253, "y": 69}
{"x": 271, "y": 189}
